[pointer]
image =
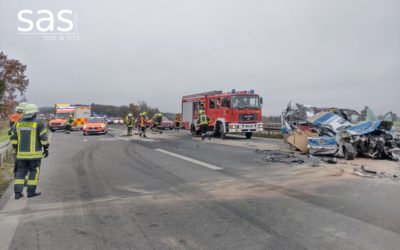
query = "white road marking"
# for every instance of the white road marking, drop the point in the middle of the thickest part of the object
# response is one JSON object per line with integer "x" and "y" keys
{"x": 201, "y": 163}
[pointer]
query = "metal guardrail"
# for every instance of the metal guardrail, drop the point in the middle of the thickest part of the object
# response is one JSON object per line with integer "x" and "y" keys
{"x": 272, "y": 127}
{"x": 5, "y": 151}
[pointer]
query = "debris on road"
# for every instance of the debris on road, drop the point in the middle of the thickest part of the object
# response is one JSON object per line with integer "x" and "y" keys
{"x": 370, "y": 173}
{"x": 290, "y": 157}
{"x": 340, "y": 132}
{"x": 279, "y": 156}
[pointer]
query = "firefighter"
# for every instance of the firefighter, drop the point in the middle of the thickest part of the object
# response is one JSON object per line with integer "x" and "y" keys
{"x": 70, "y": 120}
{"x": 29, "y": 139}
{"x": 159, "y": 122}
{"x": 13, "y": 119}
{"x": 203, "y": 122}
{"x": 142, "y": 124}
{"x": 177, "y": 121}
{"x": 18, "y": 113}
{"x": 156, "y": 123}
{"x": 130, "y": 123}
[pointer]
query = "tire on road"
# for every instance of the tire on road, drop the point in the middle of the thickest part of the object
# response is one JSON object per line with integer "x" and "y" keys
{"x": 349, "y": 152}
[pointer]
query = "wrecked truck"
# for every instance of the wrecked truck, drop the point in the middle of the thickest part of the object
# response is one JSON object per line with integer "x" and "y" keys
{"x": 339, "y": 132}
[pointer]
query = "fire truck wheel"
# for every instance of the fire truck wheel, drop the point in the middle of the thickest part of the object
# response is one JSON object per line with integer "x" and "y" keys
{"x": 249, "y": 135}
{"x": 221, "y": 132}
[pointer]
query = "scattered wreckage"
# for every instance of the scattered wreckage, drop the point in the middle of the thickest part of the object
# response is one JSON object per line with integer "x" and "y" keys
{"x": 340, "y": 132}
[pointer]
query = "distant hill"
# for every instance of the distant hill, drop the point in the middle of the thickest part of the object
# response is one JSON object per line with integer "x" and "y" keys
{"x": 46, "y": 110}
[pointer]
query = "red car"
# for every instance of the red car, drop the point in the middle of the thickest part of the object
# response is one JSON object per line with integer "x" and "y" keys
{"x": 95, "y": 125}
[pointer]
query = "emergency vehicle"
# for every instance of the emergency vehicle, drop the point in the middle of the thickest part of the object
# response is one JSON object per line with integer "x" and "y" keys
{"x": 235, "y": 112}
{"x": 62, "y": 112}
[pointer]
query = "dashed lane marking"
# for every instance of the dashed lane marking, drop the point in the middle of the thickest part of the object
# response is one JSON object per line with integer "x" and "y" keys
{"x": 201, "y": 163}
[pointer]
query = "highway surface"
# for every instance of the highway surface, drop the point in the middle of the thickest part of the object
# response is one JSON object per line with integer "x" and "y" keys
{"x": 175, "y": 192}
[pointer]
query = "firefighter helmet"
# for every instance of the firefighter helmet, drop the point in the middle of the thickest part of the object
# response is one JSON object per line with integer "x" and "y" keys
{"x": 30, "y": 110}
{"x": 21, "y": 106}
{"x": 130, "y": 115}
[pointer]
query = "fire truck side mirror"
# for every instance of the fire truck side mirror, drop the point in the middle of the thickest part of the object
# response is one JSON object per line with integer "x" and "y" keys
{"x": 261, "y": 100}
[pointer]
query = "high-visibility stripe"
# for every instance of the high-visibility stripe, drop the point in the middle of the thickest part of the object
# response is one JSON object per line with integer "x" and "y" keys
{"x": 18, "y": 136}
{"x": 43, "y": 132}
{"x": 35, "y": 182}
{"x": 19, "y": 182}
{"x": 33, "y": 141}
{"x": 29, "y": 157}
{"x": 14, "y": 142}
{"x": 44, "y": 142}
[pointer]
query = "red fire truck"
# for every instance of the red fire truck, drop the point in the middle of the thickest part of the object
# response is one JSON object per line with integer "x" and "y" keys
{"x": 235, "y": 112}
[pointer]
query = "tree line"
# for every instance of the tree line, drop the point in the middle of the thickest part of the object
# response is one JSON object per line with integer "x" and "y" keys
{"x": 122, "y": 111}
{"x": 13, "y": 84}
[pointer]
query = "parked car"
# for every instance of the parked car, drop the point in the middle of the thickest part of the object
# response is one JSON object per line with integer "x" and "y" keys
{"x": 166, "y": 124}
{"x": 118, "y": 120}
{"x": 95, "y": 125}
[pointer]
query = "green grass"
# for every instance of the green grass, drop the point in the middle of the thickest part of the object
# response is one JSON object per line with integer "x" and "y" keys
{"x": 6, "y": 175}
{"x": 4, "y": 131}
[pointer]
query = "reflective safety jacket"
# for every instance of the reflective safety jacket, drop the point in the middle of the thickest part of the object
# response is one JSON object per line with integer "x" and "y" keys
{"x": 203, "y": 120}
{"x": 129, "y": 121}
{"x": 70, "y": 120}
{"x": 177, "y": 118}
{"x": 142, "y": 121}
{"x": 29, "y": 137}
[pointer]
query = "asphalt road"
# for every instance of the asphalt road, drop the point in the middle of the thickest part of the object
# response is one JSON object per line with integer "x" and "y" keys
{"x": 175, "y": 192}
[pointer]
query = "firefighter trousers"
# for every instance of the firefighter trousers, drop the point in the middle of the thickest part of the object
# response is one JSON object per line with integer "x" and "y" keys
{"x": 204, "y": 131}
{"x": 143, "y": 131}
{"x": 177, "y": 126}
{"x": 130, "y": 130}
{"x": 30, "y": 168}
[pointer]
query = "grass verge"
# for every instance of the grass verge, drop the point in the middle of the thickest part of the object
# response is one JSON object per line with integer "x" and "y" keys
{"x": 4, "y": 128}
{"x": 6, "y": 175}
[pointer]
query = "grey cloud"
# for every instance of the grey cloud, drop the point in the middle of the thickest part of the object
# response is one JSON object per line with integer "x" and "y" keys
{"x": 329, "y": 53}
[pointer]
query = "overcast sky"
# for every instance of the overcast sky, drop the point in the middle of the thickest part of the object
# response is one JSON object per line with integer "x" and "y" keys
{"x": 343, "y": 53}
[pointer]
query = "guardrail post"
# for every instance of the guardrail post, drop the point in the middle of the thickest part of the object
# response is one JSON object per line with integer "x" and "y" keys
{"x": 2, "y": 158}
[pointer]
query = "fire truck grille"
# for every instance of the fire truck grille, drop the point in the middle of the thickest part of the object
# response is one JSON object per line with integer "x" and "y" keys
{"x": 247, "y": 117}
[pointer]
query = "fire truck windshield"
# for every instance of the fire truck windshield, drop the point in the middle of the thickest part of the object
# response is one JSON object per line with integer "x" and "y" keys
{"x": 62, "y": 115}
{"x": 245, "y": 101}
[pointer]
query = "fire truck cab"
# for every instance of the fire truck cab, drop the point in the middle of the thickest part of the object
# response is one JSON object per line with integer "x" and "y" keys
{"x": 235, "y": 112}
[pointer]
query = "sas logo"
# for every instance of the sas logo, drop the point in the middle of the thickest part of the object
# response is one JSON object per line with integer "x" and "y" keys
{"x": 61, "y": 25}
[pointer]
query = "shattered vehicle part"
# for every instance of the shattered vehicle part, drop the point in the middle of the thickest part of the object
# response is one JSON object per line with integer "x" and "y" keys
{"x": 278, "y": 156}
{"x": 370, "y": 137}
{"x": 361, "y": 174}
{"x": 322, "y": 146}
{"x": 364, "y": 169}
{"x": 365, "y": 172}
{"x": 330, "y": 122}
